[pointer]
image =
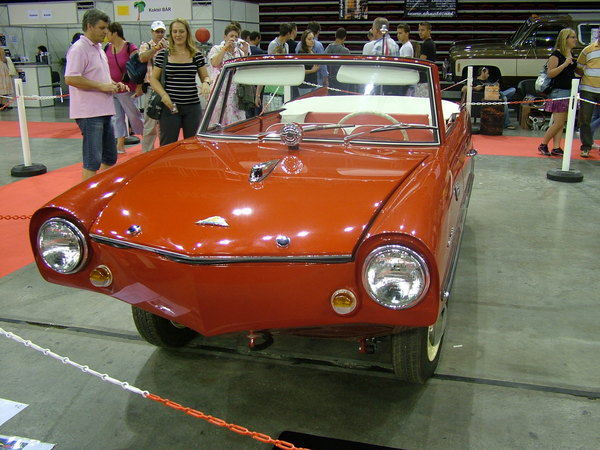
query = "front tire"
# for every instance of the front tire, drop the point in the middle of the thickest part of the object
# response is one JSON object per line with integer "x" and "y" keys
{"x": 416, "y": 352}
{"x": 159, "y": 331}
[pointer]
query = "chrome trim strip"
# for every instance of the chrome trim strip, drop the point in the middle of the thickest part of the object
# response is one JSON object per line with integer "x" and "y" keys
{"x": 211, "y": 260}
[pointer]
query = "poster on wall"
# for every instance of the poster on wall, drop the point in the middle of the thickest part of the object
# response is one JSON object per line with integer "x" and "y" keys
{"x": 430, "y": 8}
{"x": 354, "y": 9}
{"x": 151, "y": 10}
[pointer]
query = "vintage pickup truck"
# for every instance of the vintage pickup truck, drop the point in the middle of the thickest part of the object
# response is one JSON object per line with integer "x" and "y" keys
{"x": 522, "y": 55}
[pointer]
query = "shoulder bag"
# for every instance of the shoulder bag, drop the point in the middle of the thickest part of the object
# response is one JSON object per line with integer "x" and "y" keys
{"x": 12, "y": 70}
{"x": 155, "y": 104}
{"x": 543, "y": 83}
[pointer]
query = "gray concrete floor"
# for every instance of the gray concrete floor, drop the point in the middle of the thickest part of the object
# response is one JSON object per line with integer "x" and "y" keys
{"x": 519, "y": 368}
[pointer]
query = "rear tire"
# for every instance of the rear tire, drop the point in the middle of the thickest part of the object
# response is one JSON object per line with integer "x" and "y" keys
{"x": 159, "y": 331}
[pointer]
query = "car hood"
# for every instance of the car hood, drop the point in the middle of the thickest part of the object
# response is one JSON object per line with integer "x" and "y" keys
{"x": 197, "y": 200}
{"x": 479, "y": 45}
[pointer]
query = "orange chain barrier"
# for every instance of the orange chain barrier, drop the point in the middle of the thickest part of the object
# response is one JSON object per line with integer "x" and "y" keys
{"x": 128, "y": 387}
{"x": 23, "y": 217}
{"x": 265, "y": 439}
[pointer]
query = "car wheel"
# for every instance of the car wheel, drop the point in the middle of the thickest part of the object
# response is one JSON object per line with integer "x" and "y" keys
{"x": 159, "y": 331}
{"x": 416, "y": 352}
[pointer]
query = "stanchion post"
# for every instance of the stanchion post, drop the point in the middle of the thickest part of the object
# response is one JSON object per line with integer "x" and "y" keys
{"x": 564, "y": 173}
{"x": 469, "y": 96}
{"x": 27, "y": 169}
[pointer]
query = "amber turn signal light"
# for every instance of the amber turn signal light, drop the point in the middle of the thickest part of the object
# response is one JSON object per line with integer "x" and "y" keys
{"x": 101, "y": 276}
{"x": 343, "y": 301}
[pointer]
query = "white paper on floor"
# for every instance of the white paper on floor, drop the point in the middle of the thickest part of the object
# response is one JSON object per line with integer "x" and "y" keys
{"x": 20, "y": 443}
{"x": 9, "y": 409}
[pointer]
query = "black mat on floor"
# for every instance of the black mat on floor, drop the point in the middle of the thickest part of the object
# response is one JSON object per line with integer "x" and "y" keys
{"x": 324, "y": 443}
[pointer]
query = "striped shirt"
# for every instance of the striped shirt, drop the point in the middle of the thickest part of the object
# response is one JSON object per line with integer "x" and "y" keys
{"x": 180, "y": 78}
{"x": 589, "y": 63}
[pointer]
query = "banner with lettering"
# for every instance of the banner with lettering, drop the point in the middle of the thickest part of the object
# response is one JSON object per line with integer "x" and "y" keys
{"x": 151, "y": 10}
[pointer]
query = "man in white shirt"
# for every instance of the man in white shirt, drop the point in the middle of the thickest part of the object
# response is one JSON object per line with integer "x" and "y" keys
{"x": 382, "y": 44}
{"x": 406, "y": 51}
{"x": 279, "y": 46}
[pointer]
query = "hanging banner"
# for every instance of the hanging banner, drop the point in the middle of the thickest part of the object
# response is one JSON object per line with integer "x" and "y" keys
{"x": 151, "y": 10}
{"x": 354, "y": 9}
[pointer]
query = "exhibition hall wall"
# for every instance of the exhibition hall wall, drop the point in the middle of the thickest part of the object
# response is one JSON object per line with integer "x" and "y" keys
{"x": 28, "y": 25}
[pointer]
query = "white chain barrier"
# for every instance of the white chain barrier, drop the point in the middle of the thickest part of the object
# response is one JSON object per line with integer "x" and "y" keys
{"x": 85, "y": 369}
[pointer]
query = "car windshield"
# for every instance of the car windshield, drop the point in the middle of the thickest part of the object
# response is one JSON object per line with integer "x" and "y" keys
{"x": 363, "y": 96}
{"x": 521, "y": 33}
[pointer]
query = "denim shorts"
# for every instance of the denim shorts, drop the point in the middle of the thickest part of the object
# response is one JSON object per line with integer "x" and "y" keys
{"x": 99, "y": 146}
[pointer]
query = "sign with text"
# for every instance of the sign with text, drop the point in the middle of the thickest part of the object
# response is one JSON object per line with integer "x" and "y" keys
{"x": 151, "y": 10}
{"x": 430, "y": 8}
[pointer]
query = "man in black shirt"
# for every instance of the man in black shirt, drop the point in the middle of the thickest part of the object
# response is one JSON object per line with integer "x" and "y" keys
{"x": 291, "y": 41}
{"x": 428, "y": 46}
{"x": 255, "y": 49}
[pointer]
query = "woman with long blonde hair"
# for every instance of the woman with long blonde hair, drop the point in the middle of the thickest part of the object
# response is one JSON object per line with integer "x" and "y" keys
{"x": 561, "y": 68}
{"x": 180, "y": 92}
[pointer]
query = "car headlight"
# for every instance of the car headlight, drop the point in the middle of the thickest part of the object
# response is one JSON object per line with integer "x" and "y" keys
{"x": 395, "y": 276}
{"x": 62, "y": 245}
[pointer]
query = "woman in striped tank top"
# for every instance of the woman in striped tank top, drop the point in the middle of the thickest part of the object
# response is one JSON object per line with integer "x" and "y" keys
{"x": 180, "y": 92}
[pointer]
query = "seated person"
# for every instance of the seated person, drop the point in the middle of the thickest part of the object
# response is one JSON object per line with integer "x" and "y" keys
{"x": 482, "y": 80}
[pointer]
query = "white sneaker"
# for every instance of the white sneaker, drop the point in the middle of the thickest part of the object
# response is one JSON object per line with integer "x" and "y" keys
{"x": 596, "y": 146}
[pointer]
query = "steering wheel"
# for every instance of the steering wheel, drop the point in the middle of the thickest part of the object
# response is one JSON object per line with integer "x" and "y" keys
{"x": 373, "y": 113}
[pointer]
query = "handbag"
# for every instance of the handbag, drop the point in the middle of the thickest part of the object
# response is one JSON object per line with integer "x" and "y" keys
{"x": 12, "y": 70}
{"x": 543, "y": 83}
{"x": 155, "y": 104}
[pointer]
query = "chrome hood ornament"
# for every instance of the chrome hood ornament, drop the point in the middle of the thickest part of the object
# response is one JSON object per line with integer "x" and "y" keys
{"x": 291, "y": 135}
{"x": 261, "y": 171}
{"x": 213, "y": 221}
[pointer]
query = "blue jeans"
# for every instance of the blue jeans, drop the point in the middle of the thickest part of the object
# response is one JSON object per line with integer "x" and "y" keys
{"x": 506, "y": 96}
{"x": 99, "y": 146}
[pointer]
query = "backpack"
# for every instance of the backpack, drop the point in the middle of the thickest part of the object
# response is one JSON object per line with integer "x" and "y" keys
{"x": 245, "y": 96}
{"x": 135, "y": 70}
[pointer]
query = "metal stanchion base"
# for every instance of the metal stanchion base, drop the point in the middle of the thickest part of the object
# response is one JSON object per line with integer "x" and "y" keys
{"x": 132, "y": 140}
{"x": 28, "y": 171}
{"x": 566, "y": 176}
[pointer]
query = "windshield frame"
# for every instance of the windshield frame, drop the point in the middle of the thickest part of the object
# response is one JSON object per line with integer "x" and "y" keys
{"x": 208, "y": 130}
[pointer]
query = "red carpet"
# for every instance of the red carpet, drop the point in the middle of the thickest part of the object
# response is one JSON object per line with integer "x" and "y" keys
{"x": 521, "y": 146}
{"x": 25, "y": 196}
{"x": 59, "y": 130}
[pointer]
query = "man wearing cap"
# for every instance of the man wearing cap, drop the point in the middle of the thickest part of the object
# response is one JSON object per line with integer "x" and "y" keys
{"x": 148, "y": 51}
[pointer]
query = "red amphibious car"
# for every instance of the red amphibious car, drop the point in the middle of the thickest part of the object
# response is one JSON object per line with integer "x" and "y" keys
{"x": 336, "y": 214}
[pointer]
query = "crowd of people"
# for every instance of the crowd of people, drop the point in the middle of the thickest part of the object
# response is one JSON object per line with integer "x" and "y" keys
{"x": 105, "y": 102}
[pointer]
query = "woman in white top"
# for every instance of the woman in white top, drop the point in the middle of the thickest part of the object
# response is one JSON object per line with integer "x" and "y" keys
{"x": 231, "y": 47}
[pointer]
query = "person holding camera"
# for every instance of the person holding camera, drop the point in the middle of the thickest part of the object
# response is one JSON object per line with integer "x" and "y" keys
{"x": 148, "y": 51}
{"x": 231, "y": 47}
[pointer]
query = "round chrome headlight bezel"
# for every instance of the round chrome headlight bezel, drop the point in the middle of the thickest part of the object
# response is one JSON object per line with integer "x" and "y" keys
{"x": 413, "y": 261}
{"x": 68, "y": 244}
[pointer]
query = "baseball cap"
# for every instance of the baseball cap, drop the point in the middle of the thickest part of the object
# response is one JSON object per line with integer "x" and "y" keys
{"x": 158, "y": 25}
